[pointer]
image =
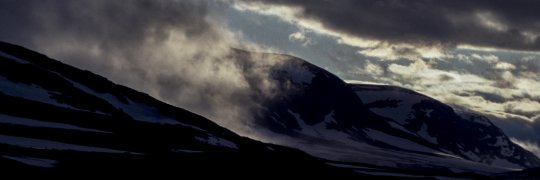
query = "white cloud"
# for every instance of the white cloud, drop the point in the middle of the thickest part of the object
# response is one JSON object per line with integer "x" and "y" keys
{"x": 387, "y": 51}
{"x": 523, "y": 106}
{"x": 478, "y": 92}
{"x": 530, "y": 37}
{"x": 297, "y": 36}
{"x": 372, "y": 68}
{"x": 300, "y": 36}
{"x": 528, "y": 145}
{"x": 505, "y": 66}
{"x": 490, "y": 21}
{"x": 370, "y": 47}
{"x": 486, "y": 58}
{"x": 490, "y": 49}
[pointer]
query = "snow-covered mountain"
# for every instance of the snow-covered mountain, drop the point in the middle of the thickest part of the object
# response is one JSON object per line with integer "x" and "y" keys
{"x": 458, "y": 132}
{"x": 321, "y": 114}
{"x": 59, "y": 120}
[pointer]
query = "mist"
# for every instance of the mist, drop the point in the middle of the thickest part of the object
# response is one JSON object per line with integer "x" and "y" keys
{"x": 175, "y": 51}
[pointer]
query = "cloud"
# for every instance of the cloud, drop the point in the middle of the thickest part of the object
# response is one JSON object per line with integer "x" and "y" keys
{"x": 297, "y": 36}
{"x": 499, "y": 83}
{"x": 180, "y": 52}
{"x": 490, "y": 58}
{"x": 373, "y": 69}
{"x": 177, "y": 51}
{"x": 483, "y": 86}
{"x": 504, "y": 66}
{"x": 300, "y": 37}
{"x": 528, "y": 145}
{"x": 514, "y": 108}
{"x": 483, "y": 23}
{"x": 113, "y": 23}
{"x": 386, "y": 51}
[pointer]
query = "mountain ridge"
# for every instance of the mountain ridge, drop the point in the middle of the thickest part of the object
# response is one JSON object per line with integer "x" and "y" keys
{"x": 325, "y": 107}
{"x": 77, "y": 113}
{"x": 57, "y": 120}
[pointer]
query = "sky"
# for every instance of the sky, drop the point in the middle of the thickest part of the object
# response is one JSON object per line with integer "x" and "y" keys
{"x": 482, "y": 55}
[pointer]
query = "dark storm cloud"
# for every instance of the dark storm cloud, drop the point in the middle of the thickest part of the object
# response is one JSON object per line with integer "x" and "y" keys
{"x": 81, "y": 31}
{"x": 108, "y": 23}
{"x": 489, "y": 23}
{"x": 173, "y": 50}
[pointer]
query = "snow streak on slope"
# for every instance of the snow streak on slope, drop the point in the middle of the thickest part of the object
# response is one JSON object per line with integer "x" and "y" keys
{"x": 397, "y": 106}
{"x": 458, "y": 132}
{"x": 46, "y": 144}
{"x": 6, "y": 119}
{"x": 55, "y": 118}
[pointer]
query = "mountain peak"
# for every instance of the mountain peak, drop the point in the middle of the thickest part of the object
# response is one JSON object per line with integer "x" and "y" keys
{"x": 58, "y": 120}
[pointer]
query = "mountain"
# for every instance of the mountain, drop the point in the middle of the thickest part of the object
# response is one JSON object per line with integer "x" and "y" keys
{"x": 394, "y": 127}
{"x": 458, "y": 132}
{"x": 60, "y": 121}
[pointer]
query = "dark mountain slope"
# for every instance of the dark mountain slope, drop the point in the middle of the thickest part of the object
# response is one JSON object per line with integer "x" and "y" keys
{"x": 460, "y": 132}
{"x": 316, "y": 107}
{"x": 56, "y": 119}
{"x": 60, "y": 121}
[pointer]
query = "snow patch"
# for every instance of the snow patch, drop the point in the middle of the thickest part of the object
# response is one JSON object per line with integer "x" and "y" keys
{"x": 7, "y": 56}
{"x": 504, "y": 145}
{"x": 396, "y": 141}
{"x": 329, "y": 118}
{"x": 138, "y": 111}
{"x": 307, "y": 129}
{"x": 216, "y": 141}
{"x": 471, "y": 155}
{"x": 46, "y": 144}
{"x": 399, "y": 113}
{"x": 46, "y": 163}
{"x": 428, "y": 112}
{"x": 28, "y": 91}
{"x": 423, "y": 132}
{"x": 483, "y": 120}
{"x": 505, "y": 164}
{"x": 501, "y": 141}
{"x": 397, "y": 126}
{"x": 32, "y": 92}
{"x": 297, "y": 117}
{"x": 299, "y": 120}
{"x": 320, "y": 131}
{"x": 36, "y": 123}
{"x": 345, "y": 149}
{"x": 485, "y": 137}
{"x": 465, "y": 114}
